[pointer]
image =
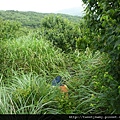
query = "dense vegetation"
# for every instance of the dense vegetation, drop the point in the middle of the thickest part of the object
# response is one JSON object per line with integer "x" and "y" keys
{"x": 33, "y": 53}
{"x": 102, "y": 17}
{"x": 31, "y": 19}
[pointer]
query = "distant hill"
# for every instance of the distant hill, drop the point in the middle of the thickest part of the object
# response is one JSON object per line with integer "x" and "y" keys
{"x": 31, "y": 19}
{"x": 72, "y": 11}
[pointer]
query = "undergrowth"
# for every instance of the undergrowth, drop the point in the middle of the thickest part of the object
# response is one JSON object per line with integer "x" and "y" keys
{"x": 28, "y": 66}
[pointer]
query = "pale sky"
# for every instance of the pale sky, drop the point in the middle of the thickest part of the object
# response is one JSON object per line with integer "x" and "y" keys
{"x": 44, "y": 6}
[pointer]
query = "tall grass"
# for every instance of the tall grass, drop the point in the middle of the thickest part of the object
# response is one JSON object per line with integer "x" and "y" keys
{"x": 92, "y": 88}
{"x": 28, "y": 66}
{"x": 27, "y": 94}
{"x": 30, "y": 55}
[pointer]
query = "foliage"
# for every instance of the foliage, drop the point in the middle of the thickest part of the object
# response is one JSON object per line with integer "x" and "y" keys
{"x": 9, "y": 29}
{"x": 30, "y": 62}
{"x": 63, "y": 33}
{"x": 68, "y": 33}
{"x": 104, "y": 21}
{"x": 26, "y": 95}
{"x": 30, "y": 55}
{"x": 91, "y": 88}
{"x": 31, "y": 19}
{"x": 85, "y": 36}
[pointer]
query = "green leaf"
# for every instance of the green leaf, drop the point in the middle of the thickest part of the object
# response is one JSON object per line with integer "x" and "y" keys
{"x": 117, "y": 43}
{"x": 104, "y": 24}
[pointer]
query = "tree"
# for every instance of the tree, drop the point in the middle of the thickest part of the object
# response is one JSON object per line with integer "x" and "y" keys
{"x": 102, "y": 17}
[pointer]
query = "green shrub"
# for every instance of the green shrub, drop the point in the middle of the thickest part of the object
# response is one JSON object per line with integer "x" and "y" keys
{"x": 85, "y": 36}
{"x": 9, "y": 29}
{"x": 63, "y": 33}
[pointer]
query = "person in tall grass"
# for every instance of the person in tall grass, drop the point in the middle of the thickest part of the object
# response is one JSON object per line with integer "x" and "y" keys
{"x": 57, "y": 82}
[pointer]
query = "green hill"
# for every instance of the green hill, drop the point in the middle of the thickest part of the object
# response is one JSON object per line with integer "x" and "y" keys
{"x": 31, "y": 19}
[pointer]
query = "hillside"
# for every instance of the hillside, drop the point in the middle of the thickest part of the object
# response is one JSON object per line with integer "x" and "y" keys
{"x": 31, "y": 19}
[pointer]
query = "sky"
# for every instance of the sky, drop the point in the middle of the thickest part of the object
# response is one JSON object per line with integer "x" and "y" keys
{"x": 43, "y": 6}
